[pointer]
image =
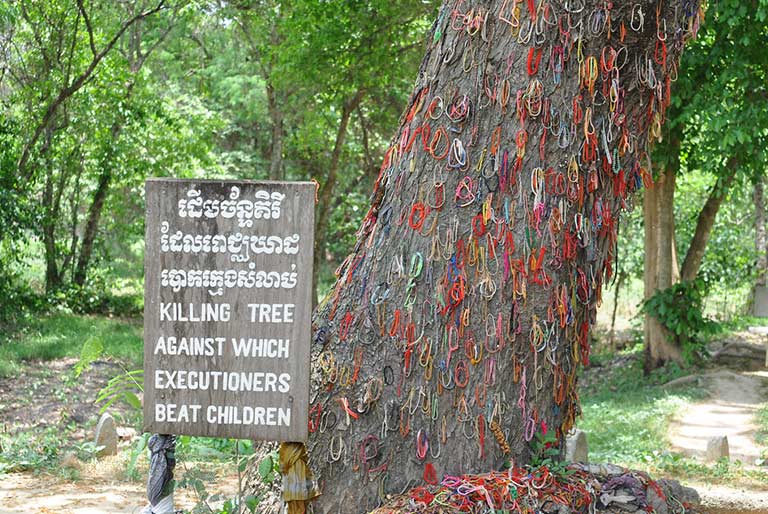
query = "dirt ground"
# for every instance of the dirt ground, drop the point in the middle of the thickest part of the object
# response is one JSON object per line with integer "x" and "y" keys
{"x": 729, "y": 411}
{"x": 98, "y": 491}
{"x": 47, "y": 395}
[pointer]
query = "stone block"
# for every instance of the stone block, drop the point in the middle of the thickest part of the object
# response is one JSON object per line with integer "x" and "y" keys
{"x": 576, "y": 448}
{"x": 106, "y": 435}
{"x": 717, "y": 448}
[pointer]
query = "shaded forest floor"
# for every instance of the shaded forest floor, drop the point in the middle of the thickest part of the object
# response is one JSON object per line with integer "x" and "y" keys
{"x": 48, "y": 416}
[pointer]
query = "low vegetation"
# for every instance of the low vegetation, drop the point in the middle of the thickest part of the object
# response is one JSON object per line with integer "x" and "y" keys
{"x": 627, "y": 416}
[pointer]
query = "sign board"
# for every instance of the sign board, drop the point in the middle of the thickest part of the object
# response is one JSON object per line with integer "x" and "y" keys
{"x": 227, "y": 308}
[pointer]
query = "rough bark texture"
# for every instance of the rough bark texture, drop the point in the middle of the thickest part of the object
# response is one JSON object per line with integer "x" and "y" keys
{"x": 456, "y": 326}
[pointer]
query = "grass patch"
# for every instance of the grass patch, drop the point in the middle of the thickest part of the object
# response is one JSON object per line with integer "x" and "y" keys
{"x": 762, "y": 432}
{"x": 41, "y": 450}
{"x": 741, "y": 323}
{"x": 626, "y": 416}
{"x": 62, "y": 335}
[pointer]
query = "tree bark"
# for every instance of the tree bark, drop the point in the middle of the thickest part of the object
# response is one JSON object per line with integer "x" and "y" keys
{"x": 92, "y": 225}
{"x": 706, "y": 221}
{"x": 660, "y": 266}
{"x": 666, "y": 229}
{"x": 457, "y": 323}
{"x": 325, "y": 195}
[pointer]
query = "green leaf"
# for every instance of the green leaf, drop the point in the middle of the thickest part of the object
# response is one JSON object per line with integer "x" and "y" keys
{"x": 132, "y": 400}
{"x": 251, "y": 502}
{"x": 265, "y": 467}
{"x": 89, "y": 353}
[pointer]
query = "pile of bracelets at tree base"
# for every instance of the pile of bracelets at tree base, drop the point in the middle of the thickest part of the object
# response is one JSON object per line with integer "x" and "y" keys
{"x": 583, "y": 489}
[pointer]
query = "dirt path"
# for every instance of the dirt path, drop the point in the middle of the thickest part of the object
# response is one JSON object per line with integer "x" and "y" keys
{"x": 734, "y": 399}
{"x": 23, "y": 492}
{"x": 47, "y": 394}
{"x": 47, "y": 397}
{"x": 730, "y": 411}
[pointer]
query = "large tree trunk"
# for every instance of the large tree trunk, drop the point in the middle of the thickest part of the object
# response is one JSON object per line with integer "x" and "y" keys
{"x": 456, "y": 326}
{"x": 706, "y": 221}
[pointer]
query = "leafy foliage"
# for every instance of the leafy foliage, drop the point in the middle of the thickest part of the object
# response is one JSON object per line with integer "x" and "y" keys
{"x": 188, "y": 448}
{"x": 90, "y": 353}
{"x": 61, "y": 334}
{"x": 680, "y": 309}
{"x": 125, "y": 387}
{"x": 545, "y": 453}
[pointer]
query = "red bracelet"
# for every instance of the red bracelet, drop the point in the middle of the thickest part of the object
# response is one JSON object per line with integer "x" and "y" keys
{"x": 534, "y": 61}
{"x": 430, "y": 475}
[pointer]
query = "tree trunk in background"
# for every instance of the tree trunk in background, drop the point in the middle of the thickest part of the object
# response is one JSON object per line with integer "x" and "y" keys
{"x": 136, "y": 60}
{"x": 457, "y": 323}
{"x": 276, "y": 144}
{"x": 660, "y": 266}
{"x": 612, "y": 334}
{"x": 325, "y": 195}
{"x": 761, "y": 266}
{"x": 705, "y": 222}
{"x": 52, "y": 276}
{"x": 665, "y": 268}
{"x": 92, "y": 223}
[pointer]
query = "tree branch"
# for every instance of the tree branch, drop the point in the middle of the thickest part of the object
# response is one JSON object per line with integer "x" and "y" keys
{"x": 72, "y": 88}
{"x": 88, "y": 26}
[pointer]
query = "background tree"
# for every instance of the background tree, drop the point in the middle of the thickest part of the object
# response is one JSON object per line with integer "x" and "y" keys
{"x": 703, "y": 134}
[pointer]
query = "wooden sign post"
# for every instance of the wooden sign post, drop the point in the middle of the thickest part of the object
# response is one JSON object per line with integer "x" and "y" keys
{"x": 227, "y": 308}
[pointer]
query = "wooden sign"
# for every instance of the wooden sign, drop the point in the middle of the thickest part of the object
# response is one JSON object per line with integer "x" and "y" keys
{"x": 227, "y": 308}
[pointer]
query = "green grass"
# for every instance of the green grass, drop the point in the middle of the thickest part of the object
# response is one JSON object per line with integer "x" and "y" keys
{"x": 62, "y": 335}
{"x": 762, "y": 433}
{"x": 626, "y": 414}
{"x": 741, "y": 323}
